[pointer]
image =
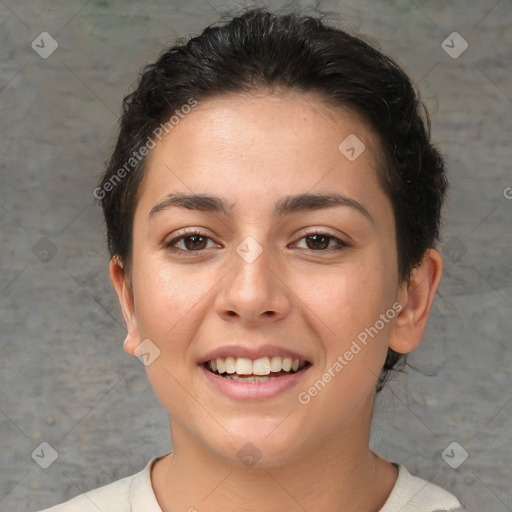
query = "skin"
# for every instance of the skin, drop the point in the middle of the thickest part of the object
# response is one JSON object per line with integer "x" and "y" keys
{"x": 252, "y": 150}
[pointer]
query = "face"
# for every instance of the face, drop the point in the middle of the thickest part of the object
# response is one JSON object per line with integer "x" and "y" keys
{"x": 289, "y": 252}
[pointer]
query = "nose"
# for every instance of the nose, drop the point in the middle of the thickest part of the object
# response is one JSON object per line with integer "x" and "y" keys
{"x": 253, "y": 292}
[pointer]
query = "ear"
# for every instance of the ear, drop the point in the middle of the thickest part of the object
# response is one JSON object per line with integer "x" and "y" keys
{"x": 121, "y": 283}
{"x": 416, "y": 297}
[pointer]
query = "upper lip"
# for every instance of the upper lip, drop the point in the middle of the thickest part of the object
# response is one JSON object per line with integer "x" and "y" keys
{"x": 251, "y": 353}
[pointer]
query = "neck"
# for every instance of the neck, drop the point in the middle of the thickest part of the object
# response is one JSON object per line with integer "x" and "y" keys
{"x": 337, "y": 474}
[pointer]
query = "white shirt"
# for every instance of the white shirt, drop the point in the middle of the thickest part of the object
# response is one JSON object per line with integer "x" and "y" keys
{"x": 135, "y": 494}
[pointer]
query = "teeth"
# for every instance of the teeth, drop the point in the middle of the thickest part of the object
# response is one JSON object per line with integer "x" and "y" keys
{"x": 276, "y": 364}
{"x": 221, "y": 365}
{"x": 243, "y": 366}
{"x": 248, "y": 379}
{"x": 230, "y": 365}
{"x": 262, "y": 366}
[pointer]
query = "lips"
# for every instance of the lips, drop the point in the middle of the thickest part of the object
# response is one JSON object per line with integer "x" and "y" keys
{"x": 251, "y": 387}
{"x": 255, "y": 373}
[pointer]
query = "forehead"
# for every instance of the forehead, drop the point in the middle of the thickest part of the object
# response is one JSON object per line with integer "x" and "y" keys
{"x": 279, "y": 117}
{"x": 289, "y": 142}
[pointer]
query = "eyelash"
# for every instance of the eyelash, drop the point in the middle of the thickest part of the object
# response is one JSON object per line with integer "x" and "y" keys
{"x": 170, "y": 246}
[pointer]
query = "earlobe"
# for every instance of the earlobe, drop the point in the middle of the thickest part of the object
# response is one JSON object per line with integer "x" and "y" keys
{"x": 123, "y": 290}
{"x": 416, "y": 298}
{"x": 130, "y": 344}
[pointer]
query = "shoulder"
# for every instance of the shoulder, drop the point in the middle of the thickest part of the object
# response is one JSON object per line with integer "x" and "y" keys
{"x": 129, "y": 494}
{"x": 413, "y": 494}
{"x": 114, "y": 496}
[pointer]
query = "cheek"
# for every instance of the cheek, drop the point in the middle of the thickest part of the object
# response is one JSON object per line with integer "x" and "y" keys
{"x": 166, "y": 298}
{"x": 344, "y": 307}
{"x": 348, "y": 298}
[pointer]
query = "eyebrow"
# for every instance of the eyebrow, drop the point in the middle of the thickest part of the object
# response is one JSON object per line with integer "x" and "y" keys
{"x": 285, "y": 206}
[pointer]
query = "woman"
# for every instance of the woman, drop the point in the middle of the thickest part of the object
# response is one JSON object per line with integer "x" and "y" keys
{"x": 272, "y": 206}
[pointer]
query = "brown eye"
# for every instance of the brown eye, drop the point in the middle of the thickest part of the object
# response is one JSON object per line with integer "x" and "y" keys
{"x": 195, "y": 242}
{"x": 318, "y": 241}
{"x": 321, "y": 242}
{"x": 190, "y": 242}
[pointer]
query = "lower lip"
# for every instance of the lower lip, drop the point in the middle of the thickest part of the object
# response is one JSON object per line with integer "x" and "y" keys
{"x": 253, "y": 390}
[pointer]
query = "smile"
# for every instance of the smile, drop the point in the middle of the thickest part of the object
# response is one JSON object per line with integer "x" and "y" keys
{"x": 260, "y": 366}
{"x": 263, "y": 369}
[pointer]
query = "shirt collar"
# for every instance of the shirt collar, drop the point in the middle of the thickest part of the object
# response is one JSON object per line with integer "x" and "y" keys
{"x": 142, "y": 496}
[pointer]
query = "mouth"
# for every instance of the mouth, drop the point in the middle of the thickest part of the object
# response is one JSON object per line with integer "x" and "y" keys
{"x": 263, "y": 369}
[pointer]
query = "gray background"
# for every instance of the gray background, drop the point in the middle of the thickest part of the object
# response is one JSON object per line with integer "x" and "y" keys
{"x": 65, "y": 379}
